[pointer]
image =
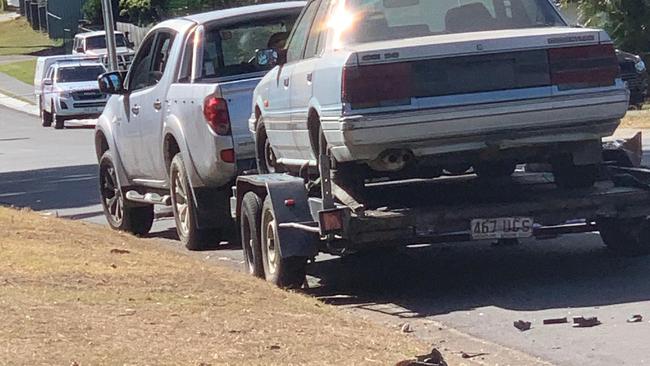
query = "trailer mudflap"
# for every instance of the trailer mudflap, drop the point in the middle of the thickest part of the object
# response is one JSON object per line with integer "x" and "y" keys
{"x": 290, "y": 205}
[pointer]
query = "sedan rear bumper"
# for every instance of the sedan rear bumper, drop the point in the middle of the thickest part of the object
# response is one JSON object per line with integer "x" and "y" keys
{"x": 502, "y": 125}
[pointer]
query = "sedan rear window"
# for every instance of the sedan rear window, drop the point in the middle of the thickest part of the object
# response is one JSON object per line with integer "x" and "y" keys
{"x": 99, "y": 42}
{"x": 76, "y": 74}
{"x": 379, "y": 20}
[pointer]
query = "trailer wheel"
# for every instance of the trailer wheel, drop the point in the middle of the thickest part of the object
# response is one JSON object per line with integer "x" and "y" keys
{"x": 266, "y": 160}
{"x": 250, "y": 223}
{"x": 288, "y": 272}
{"x": 627, "y": 237}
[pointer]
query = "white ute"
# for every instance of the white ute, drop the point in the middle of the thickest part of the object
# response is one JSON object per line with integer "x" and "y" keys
{"x": 419, "y": 88}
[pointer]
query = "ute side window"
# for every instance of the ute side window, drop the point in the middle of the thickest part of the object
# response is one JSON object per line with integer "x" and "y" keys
{"x": 299, "y": 36}
{"x": 141, "y": 66}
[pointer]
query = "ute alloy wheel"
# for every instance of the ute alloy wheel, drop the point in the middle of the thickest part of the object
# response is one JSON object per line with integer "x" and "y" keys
{"x": 121, "y": 214}
{"x": 184, "y": 211}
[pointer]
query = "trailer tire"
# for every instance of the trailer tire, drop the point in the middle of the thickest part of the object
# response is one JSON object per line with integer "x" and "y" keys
{"x": 626, "y": 237}
{"x": 287, "y": 272}
{"x": 250, "y": 223}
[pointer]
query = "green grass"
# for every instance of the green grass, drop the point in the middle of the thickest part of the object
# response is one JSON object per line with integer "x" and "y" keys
{"x": 23, "y": 70}
{"x": 18, "y": 38}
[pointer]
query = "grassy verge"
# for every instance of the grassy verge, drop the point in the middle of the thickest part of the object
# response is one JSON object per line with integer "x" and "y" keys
{"x": 23, "y": 70}
{"x": 18, "y": 38}
{"x": 78, "y": 293}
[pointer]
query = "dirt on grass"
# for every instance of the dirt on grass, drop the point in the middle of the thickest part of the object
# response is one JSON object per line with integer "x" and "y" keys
{"x": 77, "y": 293}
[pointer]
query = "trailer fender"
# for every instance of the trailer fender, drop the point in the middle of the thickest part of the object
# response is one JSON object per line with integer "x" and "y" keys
{"x": 290, "y": 205}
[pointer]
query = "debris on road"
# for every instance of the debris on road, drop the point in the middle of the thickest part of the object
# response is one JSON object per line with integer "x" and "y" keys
{"x": 406, "y": 328}
{"x": 637, "y": 318}
{"x": 119, "y": 251}
{"x": 582, "y": 322}
{"x": 472, "y": 355}
{"x": 434, "y": 358}
{"x": 522, "y": 325}
{"x": 555, "y": 321}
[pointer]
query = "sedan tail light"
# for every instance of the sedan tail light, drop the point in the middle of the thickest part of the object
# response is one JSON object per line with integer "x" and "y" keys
{"x": 215, "y": 111}
{"x": 583, "y": 67}
{"x": 369, "y": 86}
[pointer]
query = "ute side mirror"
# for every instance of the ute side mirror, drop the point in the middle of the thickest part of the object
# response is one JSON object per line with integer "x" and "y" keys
{"x": 47, "y": 82}
{"x": 112, "y": 83}
{"x": 80, "y": 49}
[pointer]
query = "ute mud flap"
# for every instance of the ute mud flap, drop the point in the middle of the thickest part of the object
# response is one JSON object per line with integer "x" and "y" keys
{"x": 290, "y": 205}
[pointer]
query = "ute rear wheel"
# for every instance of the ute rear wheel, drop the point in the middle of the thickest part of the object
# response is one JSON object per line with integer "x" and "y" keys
{"x": 250, "y": 224}
{"x": 285, "y": 272}
{"x": 118, "y": 212}
{"x": 183, "y": 207}
{"x": 626, "y": 237}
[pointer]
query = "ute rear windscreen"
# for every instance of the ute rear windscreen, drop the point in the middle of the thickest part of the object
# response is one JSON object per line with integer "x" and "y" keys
{"x": 379, "y": 20}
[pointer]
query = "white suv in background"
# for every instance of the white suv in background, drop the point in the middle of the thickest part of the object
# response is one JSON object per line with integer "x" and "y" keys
{"x": 70, "y": 91}
{"x": 93, "y": 44}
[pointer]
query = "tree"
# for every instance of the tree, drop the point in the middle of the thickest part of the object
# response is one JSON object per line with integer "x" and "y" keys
{"x": 626, "y": 21}
{"x": 92, "y": 11}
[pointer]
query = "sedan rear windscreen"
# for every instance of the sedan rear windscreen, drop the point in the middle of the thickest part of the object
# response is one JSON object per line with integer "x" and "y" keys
{"x": 379, "y": 20}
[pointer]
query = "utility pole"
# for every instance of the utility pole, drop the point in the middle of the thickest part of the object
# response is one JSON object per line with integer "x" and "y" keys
{"x": 109, "y": 26}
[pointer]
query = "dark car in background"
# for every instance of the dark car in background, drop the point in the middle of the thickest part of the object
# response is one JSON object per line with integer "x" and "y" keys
{"x": 633, "y": 72}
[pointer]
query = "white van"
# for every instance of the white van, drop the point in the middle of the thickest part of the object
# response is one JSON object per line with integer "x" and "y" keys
{"x": 44, "y": 63}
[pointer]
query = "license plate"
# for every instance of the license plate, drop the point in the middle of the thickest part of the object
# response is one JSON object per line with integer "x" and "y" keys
{"x": 502, "y": 228}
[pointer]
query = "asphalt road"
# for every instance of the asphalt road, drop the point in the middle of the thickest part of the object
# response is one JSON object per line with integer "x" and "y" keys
{"x": 476, "y": 288}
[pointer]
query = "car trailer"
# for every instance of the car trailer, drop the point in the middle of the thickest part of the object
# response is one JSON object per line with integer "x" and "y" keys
{"x": 286, "y": 221}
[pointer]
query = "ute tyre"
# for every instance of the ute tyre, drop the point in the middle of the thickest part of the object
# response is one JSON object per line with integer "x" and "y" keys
{"x": 570, "y": 176}
{"x": 183, "y": 207}
{"x": 626, "y": 237}
{"x": 59, "y": 122}
{"x": 46, "y": 117}
{"x": 250, "y": 223}
{"x": 288, "y": 272}
{"x": 119, "y": 213}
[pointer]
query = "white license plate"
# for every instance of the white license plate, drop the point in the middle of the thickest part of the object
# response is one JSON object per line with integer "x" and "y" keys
{"x": 502, "y": 228}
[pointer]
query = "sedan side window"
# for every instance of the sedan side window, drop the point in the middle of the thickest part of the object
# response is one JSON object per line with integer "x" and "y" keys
{"x": 315, "y": 42}
{"x": 300, "y": 32}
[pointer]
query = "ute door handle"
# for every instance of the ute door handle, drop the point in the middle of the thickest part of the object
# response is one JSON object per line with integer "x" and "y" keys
{"x": 135, "y": 109}
{"x": 157, "y": 105}
{"x": 309, "y": 77}
{"x": 286, "y": 82}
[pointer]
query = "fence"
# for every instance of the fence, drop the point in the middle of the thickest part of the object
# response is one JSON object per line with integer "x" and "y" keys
{"x": 135, "y": 34}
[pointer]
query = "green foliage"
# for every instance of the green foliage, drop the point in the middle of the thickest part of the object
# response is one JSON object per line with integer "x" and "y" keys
{"x": 141, "y": 12}
{"x": 92, "y": 11}
{"x": 626, "y": 21}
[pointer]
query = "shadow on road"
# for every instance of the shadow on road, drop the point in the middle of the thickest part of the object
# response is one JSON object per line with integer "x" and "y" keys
{"x": 54, "y": 188}
{"x": 575, "y": 271}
